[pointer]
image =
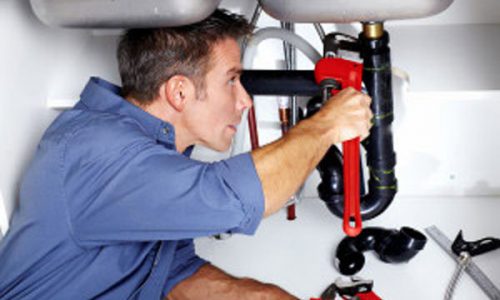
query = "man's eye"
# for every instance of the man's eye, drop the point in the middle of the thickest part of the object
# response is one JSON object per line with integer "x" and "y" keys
{"x": 232, "y": 80}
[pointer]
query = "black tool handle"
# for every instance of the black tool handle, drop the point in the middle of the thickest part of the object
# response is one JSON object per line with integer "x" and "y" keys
{"x": 476, "y": 247}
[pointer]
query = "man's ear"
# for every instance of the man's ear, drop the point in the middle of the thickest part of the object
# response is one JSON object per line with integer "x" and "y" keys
{"x": 178, "y": 91}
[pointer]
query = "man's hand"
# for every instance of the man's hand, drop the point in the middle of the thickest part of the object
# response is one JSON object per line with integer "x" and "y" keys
{"x": 284, "y": 165}
{"x": 347, "y": 115}
{"x": 210, "y": 282}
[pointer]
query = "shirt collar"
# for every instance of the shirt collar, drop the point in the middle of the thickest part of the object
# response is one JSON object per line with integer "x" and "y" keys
{"x": 101, "y": 95}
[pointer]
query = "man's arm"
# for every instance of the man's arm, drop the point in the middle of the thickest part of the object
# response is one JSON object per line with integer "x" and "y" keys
{"x": 284, "y": 165}
{"x": 210, "y": 282}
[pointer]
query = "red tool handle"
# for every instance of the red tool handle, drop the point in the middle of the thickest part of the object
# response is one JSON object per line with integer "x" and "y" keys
{"x": 351, "y": 187}
{"x": 347, "y": 73}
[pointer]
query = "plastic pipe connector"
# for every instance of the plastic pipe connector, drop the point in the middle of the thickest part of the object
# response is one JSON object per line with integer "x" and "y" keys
{"x": 391, "y": 245}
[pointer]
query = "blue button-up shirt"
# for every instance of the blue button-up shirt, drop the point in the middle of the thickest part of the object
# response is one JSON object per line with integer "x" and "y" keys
{"x": 108, "y": 208}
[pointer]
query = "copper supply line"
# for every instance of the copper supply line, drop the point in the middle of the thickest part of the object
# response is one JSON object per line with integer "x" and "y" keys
{"x": 252, "y": 124}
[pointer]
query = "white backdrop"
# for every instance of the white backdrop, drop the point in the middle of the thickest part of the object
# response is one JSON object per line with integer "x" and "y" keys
{"x": 445, "y": 138}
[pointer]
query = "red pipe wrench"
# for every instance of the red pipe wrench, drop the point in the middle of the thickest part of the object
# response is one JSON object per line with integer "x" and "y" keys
{"x": 334, "y": 74}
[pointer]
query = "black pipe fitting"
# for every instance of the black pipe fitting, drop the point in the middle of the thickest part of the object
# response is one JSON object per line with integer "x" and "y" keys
{"x": 391, "y": 245}
{"x": 381, "y": 158}
{"x": 280, "y": 83}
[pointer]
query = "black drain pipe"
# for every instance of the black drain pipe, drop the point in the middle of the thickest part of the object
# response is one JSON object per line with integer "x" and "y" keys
{"x": 381, "y": 159}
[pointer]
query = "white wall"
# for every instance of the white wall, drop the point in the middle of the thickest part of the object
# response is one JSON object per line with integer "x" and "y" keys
{"x": 448, "y": 57}
{"x": 38, "y": 63}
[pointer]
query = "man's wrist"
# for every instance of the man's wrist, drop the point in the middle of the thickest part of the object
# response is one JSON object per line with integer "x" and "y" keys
{"x": 321, "y": 132}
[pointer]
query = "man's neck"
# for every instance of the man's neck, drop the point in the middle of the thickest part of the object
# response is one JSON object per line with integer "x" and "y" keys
{"x": 163, "y": 113}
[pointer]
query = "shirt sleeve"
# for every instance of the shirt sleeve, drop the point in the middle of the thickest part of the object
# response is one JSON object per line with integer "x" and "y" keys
{"x": 148, "y": 192}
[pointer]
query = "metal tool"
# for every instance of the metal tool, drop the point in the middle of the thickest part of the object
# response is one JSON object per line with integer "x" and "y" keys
{"x": 355, "y": 289}
{"x": 465, "y": 263}
{"x": 333, "y": 74}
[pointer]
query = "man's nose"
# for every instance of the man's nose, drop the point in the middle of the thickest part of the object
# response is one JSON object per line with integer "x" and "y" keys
{"x": 244, "y": 99}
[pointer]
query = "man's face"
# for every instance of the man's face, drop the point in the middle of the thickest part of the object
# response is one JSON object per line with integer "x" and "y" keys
{"x": 214, "y": 117}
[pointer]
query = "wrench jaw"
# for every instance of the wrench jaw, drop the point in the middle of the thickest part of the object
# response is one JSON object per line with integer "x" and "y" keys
{"x": 347, "y": 289}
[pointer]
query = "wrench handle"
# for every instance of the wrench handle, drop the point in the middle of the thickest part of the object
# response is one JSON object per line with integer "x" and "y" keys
{"x": 351, "y": 187}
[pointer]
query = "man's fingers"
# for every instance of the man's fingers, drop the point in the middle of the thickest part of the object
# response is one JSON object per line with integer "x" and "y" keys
{"x": 367, "y": 99}
{"x": 349, "y": 111}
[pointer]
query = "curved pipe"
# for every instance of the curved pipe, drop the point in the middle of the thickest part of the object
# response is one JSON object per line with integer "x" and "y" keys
{"x": 391, "y": 245}
{"x": 381, "y": 158}
{"x": 282, "y": 34}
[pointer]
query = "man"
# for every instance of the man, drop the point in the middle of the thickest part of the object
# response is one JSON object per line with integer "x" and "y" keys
{"x": 111, "y": 202}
